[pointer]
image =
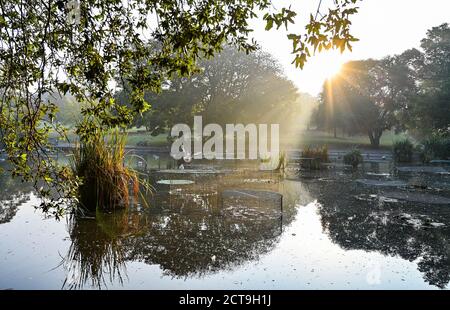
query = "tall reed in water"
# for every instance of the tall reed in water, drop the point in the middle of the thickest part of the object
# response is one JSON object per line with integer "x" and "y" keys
{"x": 106, "y": 181}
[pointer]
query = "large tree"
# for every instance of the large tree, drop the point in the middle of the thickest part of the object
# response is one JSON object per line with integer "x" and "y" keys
{"x": 233, "y": 87}
{"x": 430, "y": 107}
{"x": 366, "y": 96}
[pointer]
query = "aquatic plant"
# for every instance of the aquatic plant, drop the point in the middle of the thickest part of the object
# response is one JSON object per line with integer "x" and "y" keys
{"x": 281, "y": 162}
{"x": 353, "y": 158}
{"x": 402, "y": 151}
{"x": 317, "y": 155}
{"x": 320, "y": 152}
{"x": 106, "y": 181}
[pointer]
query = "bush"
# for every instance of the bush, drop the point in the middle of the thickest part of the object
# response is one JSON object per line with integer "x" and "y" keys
{"x": 353, "y": 158}
{"x": 403, "y": 151}
{"x": 436, "y": 147}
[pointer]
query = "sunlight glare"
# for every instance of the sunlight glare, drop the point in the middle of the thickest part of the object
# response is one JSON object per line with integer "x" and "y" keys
{"x": 327, "y": 64}
{"x": 319, "y": 68}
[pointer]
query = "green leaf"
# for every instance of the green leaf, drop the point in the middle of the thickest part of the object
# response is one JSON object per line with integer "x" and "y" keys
{"x": 269, "y": 24}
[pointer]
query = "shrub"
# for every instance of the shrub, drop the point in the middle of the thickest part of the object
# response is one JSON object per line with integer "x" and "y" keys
{"x": 353, "y": 158}
{"x": 105, "y": 179}
{"x": 403, "y": 151}
{"x": 436, "y": 147}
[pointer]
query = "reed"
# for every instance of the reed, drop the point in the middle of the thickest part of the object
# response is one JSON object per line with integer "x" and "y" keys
{"x": 314, "y": 156}
{"x": 106, "y": 182}
{"x": 320, "y": 152}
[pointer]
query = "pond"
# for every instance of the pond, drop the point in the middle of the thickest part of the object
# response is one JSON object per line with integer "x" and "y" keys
{"x": 241, "y": 229}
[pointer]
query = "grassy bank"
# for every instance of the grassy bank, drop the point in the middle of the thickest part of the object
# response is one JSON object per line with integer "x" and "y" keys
{"x": 139, "y": 137}
{"x": 315, "y": 137}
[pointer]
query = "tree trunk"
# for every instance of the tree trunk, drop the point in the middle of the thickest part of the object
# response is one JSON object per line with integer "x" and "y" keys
{"x": 374, "y": 136}
{"x": 335, "y": 132}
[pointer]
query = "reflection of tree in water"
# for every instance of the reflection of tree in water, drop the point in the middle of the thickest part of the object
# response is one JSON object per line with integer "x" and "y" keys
{"x": 9, "y": 206}
{"x": 202, "y": 242}
{"x": 13, "y": 193}
{"x": 388, "y": 227}
{"x": 193, "y": 232}
{"x": 188, "y": 233}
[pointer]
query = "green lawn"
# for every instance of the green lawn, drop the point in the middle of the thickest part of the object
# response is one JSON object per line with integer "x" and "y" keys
{"x": 313, "y": 137}
{"x": 135, "y": 137}
{"x": 293, "y": 140}
{"x": 301, "y": 139}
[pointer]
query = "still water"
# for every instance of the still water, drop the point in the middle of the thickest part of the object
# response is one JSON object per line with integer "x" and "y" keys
{"x": 240, "y": 229}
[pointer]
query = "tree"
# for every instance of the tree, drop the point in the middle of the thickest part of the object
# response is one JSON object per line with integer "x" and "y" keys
{"x": 430, "y": 108}
{"x": 243, "y": 88}
{"x": 345, "y": 102}
{"x": 82, "y": 46}
{"x": 177, "y": 103}
{"x": 68, "y": 111}
{"x": 233, "y": 87}
{"x": 366, "y": 96}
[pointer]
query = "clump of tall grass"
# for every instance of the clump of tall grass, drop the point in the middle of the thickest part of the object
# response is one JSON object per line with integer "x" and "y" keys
{"x": 106, "y": 181}
{"x": 314, "y": 156}
{"x": 279, "y": 161}
{"x": 282, "y": 161}
{"x": 320, "y": 152}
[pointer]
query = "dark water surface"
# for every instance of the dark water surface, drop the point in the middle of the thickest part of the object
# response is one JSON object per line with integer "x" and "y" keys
{"x": 241, "y": 229}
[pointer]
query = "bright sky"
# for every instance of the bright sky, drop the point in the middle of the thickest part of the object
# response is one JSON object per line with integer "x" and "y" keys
{"x": 384, "y": 27}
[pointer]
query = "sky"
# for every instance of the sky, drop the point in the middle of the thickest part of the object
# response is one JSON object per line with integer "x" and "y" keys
{"x": 384, "y": 27}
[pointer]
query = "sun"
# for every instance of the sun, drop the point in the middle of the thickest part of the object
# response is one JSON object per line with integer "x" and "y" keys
{"x": 320, "y": 67}
{"x": 327, "y": 64}
{"x": 332, "y": 68}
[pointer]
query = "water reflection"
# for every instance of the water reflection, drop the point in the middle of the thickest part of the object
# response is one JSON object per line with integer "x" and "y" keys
{"x": 96, "y": 255}
{"x": 13, "y": 193}
{"x": 208, "y": 228}
{"x": 363, "y": 219}
{"x": 189, "y": 230}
